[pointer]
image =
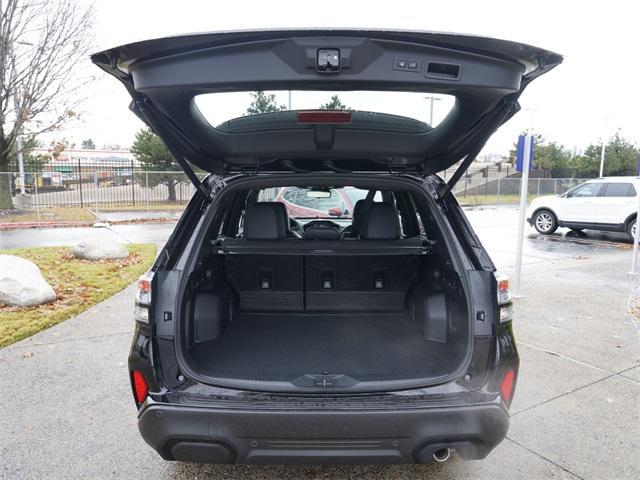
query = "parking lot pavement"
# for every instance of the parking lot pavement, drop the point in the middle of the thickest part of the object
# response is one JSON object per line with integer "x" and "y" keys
{"x": 67, "y": 410}
{"x": 497, "y": 228}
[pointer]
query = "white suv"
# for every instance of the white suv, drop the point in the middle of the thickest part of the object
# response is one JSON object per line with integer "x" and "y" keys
{"x": 600, "y": 204}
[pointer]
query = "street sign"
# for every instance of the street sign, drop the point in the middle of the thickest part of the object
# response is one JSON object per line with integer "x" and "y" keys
{"x": 520, "y": 153}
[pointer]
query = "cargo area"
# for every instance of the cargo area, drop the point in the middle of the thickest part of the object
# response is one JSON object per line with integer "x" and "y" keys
{"x": 307, "y": 320}
{"x": 277, "y": 304}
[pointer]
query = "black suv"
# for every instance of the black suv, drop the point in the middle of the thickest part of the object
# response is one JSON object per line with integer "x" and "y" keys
{"x": 378, "y": 332}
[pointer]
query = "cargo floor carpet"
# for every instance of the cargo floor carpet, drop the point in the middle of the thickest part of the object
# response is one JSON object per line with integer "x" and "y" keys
{"x": 280, "y": 347}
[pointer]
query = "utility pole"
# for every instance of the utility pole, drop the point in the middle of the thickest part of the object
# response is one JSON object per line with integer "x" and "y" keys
{"x": 432, "y": 100}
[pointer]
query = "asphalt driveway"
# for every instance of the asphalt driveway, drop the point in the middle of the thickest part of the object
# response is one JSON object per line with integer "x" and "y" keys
{"x": 66, "y": 409}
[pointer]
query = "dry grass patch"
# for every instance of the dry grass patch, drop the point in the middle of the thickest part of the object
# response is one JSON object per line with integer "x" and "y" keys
{"x": 79, "y": 284}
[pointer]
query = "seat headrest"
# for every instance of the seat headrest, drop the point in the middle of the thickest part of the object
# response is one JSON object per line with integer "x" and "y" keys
{"x": 381, "y": 222}
{"x": 357, "y": 216}
{"x": 266, "y": 221}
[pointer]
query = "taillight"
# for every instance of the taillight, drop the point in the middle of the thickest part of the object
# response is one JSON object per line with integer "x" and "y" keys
{"x": 506, "y": 386}
{"x": 505, "y": 306}
{"x": 143, "y": 298}
{"x": 140, "y": 386}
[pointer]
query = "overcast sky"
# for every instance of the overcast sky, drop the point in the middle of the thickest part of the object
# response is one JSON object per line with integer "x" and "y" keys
{"x": 599, "y": 78}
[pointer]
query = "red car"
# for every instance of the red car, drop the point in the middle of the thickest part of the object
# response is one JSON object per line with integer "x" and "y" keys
{"x": 339, "y": 203}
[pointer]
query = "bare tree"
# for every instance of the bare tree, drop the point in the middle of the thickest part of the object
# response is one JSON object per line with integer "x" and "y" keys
{"x": 42, "y": 42}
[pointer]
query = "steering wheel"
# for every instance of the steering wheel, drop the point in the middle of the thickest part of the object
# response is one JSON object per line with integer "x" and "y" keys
{"x": 322, "y": 224}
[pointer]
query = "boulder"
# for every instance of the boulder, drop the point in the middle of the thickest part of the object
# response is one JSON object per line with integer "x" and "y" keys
{"x": 100, "y": 249}
{"x": 22, "y": 284}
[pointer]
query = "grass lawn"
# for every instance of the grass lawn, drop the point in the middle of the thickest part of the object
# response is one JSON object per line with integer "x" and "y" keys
{"x": 67, "y": 214}
{"x": 79, "y": 284}
{"x": 492, "y": 199}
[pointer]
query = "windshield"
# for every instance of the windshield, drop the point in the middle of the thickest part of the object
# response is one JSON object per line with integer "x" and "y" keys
{"x": 317, "y": 202}
{"x": 428, "y": 108}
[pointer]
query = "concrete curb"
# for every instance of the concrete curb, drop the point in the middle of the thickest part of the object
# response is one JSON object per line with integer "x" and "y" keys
{"x": 27, "y": 225}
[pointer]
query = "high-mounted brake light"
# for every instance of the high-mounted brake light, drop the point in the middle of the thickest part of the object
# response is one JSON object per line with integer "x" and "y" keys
{"x": 324, "y": 116}
{"x": 505, "y": 305}
{"x": 143, "y": 298}
{"x": 140, "y": 386}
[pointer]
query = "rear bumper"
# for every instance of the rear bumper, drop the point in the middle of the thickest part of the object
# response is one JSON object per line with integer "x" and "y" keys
{"x": 212, "y": 435}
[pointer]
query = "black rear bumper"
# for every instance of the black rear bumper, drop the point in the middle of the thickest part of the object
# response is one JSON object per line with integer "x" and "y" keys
{"x": 212, "y": 435}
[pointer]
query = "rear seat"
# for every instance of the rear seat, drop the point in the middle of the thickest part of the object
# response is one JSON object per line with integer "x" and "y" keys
{"x": 363, "y": 282}
{"x": 266, "y": 282}
{"x": 321, "y": 282}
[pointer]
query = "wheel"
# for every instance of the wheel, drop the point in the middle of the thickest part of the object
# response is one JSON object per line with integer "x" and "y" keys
{"x": 631, "y": 229}
{"x": 545, "y": 222}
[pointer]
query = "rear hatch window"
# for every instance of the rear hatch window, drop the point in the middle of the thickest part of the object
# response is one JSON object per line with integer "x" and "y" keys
{"x": 427, "y": 109}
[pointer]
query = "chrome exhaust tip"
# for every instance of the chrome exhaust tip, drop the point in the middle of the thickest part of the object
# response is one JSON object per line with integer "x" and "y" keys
{"x": 442, "y": 454}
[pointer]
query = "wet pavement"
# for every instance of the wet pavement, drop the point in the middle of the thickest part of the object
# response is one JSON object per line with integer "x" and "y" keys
{"x": 67, "y": 409}
{"x": 54, "y": 237}
{"x": 497, "y": 229}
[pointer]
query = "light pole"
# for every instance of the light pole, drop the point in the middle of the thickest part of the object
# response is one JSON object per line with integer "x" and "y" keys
{"x": 604, "y": 135}
{"x": 432, "y": 100}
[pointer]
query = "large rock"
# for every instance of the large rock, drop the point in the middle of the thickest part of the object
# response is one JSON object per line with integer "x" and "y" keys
{"x": 100, "y": 249}
{"x": 22, "y": 284}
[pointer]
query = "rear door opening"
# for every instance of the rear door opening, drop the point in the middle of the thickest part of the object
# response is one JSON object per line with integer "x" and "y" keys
{"x": 271, "y": 305}
{"x": 315, "y": 305}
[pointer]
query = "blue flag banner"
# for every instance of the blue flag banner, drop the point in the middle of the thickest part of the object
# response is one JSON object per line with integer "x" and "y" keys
{"x": 520, "y": 154}
{"x": 639, "y": 164}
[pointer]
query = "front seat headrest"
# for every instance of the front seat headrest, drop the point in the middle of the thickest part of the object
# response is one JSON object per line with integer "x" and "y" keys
{"x": 265, "y": 221}
{"x": 381, "y": 222}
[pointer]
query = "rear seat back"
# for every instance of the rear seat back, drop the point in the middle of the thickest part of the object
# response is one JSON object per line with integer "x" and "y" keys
{"x": 312, "y": 282}
{"x": 266, "y": 282}
{"x": 359, "y": 282}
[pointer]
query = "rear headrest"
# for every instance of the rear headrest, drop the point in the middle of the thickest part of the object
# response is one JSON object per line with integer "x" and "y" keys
{"x": 357, "y": 217}
{"x": 266, "y": 221}
{"x": 381, "y": 222}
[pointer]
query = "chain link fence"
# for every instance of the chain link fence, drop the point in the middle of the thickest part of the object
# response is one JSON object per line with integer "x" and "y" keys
{"x": 477, "y": 190}
{"x": 47, "y": 197}
{"x": 131, "y": 195}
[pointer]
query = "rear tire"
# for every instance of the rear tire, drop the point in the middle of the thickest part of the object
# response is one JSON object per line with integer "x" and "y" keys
{"x": 545, "y": 222}
{"x": 631, "y": 229}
